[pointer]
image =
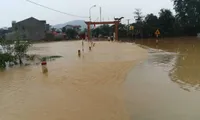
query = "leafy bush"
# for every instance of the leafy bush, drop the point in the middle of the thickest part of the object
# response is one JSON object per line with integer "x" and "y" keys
{"x": 6, "y": 57}
{"x": 13, "y": 51}
{"x": 21, "y": 48}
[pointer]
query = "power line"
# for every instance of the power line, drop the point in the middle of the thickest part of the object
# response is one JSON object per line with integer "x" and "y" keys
{"x": 55, "y": 9}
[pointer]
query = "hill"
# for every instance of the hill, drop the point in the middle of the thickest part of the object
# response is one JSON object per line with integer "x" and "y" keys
{"x": 74, "y": 22}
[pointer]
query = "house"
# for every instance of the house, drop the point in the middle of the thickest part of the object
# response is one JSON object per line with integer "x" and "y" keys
{"x": 4, "y": 31}
{"x": 30, "y": 29}
{"x": 74, "y": 27}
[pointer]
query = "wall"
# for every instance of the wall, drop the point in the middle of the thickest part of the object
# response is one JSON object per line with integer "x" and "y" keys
{"x": 32, "y": 29}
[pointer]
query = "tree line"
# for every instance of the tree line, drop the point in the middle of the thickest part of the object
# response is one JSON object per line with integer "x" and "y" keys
{"x": 185, "y": 22}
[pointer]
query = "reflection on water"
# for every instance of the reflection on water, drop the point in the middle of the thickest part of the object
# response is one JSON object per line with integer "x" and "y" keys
{"x": 186, "y": 68}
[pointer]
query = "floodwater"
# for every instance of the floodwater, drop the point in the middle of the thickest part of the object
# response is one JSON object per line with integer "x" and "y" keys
{"x": 114, "y": 81}
{"x": 166, "y": 86}
{"x": 89, "y": 87}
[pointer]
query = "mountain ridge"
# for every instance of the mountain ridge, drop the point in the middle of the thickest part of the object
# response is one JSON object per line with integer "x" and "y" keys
{"x": 73, "y": 22}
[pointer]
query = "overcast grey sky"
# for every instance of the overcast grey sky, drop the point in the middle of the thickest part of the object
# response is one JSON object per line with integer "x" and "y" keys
{"x": 21, "y": 9}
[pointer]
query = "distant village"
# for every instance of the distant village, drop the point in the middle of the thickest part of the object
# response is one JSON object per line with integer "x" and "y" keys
{"x": 34, "y": 29}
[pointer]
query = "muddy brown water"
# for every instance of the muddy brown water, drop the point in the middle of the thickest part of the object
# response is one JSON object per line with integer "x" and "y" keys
{"x": 166, "y": 86}
{"x": 76, "y": 88}
{"x": 162, "y": 86}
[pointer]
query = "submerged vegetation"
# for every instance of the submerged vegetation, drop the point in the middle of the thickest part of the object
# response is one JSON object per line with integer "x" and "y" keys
{"x": 15, "y": 53}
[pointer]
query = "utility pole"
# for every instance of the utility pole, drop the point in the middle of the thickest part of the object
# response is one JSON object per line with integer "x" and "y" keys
{"x": 90, "y": 12}
{"x": 128, "y": 20}
{"x": 100, "y": 14}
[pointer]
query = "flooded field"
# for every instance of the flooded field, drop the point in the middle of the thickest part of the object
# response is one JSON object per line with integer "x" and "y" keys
{"x": 166, "y": 86}
{"x": 114, "y": 81}
{"x": 85, "y": 88}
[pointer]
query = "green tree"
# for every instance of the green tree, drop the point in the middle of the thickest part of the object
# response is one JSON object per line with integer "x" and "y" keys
{"x": 151, "y": 19}
{"x": 20, "y": 47}
{"x": 96, "y": 32}
{"x": 85, "y": 30}
{"x": 188, "y": 15}
{"x": 139, "y": 23}
{"x": 104, "y": 30}
{"x": 6, "y": 53}
{"x": 6, "y": 57}
{"x": 122, "y": 30}
{"x": 166, "y": 21}
{"x": 71, "y": 33}
{"x": 151, "y": 24}
{"x": 13, "y": 50}
{"x": 138, "y": 15}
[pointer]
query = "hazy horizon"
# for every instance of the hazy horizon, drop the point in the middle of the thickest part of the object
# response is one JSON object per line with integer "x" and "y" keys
{"x": 21, "y": 9}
